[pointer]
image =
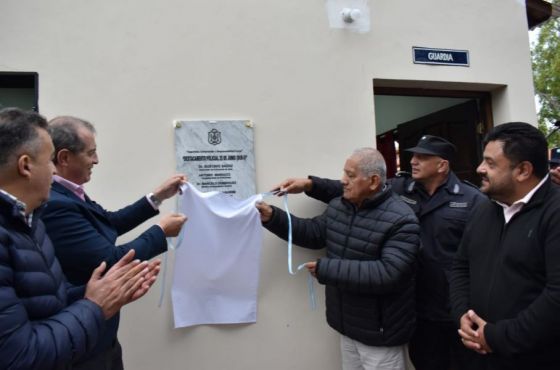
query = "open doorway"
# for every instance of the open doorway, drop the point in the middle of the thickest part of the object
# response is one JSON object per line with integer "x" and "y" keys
{"x": 403, "y": 115}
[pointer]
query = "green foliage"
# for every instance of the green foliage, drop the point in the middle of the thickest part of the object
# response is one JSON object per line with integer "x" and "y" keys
{"x": 546, "y": 75}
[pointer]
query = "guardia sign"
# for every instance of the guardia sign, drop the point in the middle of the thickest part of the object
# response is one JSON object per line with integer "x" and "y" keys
{"x": 448, "y": 57}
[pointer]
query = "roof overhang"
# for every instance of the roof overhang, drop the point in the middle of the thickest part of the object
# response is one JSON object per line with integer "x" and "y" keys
{"x": 539, "y": 11}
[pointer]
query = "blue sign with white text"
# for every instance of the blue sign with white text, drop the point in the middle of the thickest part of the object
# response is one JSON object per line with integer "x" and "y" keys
{"x": 446, "y": 57}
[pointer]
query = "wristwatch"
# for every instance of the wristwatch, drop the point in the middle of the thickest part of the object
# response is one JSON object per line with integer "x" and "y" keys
{"x": 154, "y": 200}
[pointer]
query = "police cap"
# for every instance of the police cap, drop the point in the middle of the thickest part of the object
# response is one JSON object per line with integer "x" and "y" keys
{"x": 434, "y": 145}
{"x": 555, "y": 156}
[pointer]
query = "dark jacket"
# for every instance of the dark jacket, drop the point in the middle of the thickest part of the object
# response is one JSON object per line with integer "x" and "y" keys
{"x": 369, "y": 267}
{"x": 38, "y": 327}
{"x": 84, "y": 235}
{"x": 442, "y": 218}
{"x": 509, "y": 274}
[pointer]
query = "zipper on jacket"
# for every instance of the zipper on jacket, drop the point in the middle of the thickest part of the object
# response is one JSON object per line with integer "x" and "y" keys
{"x": 354, "y": 211}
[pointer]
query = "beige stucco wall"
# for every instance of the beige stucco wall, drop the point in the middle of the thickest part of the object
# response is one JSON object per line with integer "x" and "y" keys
{"x": 132, "y": 67}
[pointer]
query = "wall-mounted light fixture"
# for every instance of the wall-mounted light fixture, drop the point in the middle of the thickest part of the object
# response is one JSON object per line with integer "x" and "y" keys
{"x": 353, "y": 15}
{"x": 350, "y": 15}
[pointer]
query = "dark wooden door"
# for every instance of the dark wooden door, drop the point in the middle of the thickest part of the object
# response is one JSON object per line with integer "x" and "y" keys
{"x": 386, "y": 146}
{"x": 458, "y": 124}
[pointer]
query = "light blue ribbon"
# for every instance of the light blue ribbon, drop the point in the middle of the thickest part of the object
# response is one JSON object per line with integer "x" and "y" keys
{"x": 310, "y": 285}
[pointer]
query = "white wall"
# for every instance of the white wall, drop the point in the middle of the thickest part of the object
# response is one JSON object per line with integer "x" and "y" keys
{"x": 132, "y": 67}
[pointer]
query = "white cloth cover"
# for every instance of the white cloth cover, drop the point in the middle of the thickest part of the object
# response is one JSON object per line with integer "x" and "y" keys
{"x": 216, "y": 271}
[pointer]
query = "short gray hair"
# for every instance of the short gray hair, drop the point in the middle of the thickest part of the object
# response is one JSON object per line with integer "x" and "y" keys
{"x": 64, "y": 134}
{"x": 371, "y": 162}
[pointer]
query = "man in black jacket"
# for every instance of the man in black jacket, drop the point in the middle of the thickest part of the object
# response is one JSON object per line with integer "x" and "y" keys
{"x": 372, "y": 242}
{"x": 505, "y": 281}
{"x": 442, "y": 204}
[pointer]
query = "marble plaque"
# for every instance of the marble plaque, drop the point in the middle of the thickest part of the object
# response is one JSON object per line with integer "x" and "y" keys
{"x": 217, "y": 156}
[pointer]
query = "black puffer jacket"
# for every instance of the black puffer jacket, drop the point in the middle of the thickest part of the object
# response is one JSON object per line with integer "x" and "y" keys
{"x": 369, "y": 267}
{"x": 442, "y": 217}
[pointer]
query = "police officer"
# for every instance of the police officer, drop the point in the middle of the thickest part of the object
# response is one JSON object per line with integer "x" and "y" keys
{"x": 442, "y": 204}
{"x": 554, "y": 164}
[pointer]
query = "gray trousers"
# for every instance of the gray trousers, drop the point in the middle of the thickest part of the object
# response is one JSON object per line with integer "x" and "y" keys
{"x": 358, "y": 356}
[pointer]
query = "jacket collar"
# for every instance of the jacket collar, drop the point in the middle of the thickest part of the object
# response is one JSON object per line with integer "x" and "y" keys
{"x": 452, "y": 185}
{"x": 540, "y": 196}
{"x": 73, "y": 187}
{"x": 61, "y": 189}
{"x": 373, "y": 202}
{"x": 13, "y": 208}
{"x": 88, "y": 203}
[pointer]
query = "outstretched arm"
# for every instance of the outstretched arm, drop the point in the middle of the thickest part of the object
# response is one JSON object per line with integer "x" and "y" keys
{"x": 318, "y": 188}
{"x": 69, "y": 225}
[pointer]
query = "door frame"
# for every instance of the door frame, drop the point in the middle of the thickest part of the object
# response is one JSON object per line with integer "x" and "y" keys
{"x": 485, "y": 98}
